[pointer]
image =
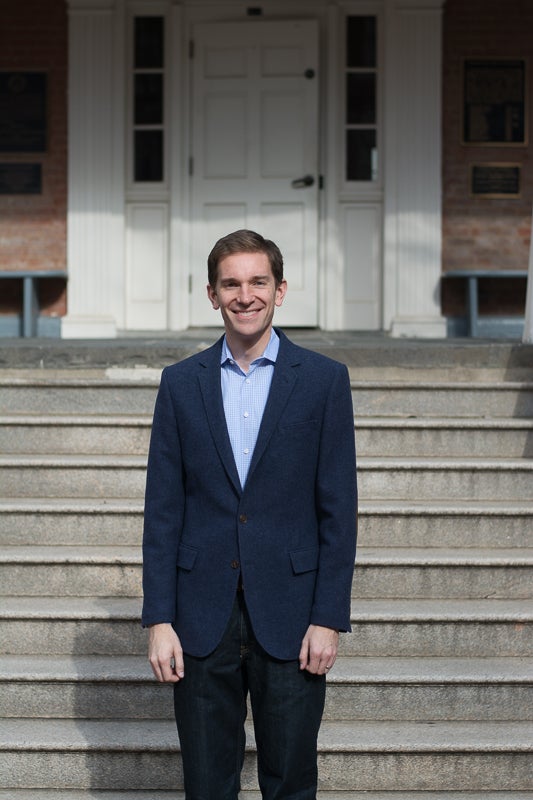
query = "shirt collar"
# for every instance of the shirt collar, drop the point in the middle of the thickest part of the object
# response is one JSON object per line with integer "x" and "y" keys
{"x": 270, "y": 353}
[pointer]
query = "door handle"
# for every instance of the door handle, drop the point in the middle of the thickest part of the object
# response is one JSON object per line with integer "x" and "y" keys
{"x": 302, "y": 183}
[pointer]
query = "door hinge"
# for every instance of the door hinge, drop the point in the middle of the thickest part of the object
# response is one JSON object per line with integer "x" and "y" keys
{"x": 191, "y": 49}
{"x": 191, "y": 166}
{"x": 320, "y": 181}
{"x": 190, "y": 284}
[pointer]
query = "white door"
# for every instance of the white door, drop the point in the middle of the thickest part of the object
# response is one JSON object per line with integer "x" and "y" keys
{"x": 255, "y": 152}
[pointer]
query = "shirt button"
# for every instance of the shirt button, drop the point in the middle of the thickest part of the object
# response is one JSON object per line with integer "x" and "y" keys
{"x": 243, "y": 518}
{"x": 246, "y": 451}
{"x": 246, "y": 414}
{"x": 235, "y": 565}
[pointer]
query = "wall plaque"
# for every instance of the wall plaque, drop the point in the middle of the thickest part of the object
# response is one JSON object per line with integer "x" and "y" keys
{"x": 496, "y": 180}
{"x": 494, "y": 109}
{"x": 20, "y": 179}
{"x": 23, "y": 114}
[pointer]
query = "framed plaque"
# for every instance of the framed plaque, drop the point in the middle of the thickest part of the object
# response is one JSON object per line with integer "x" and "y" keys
{"x": 494, "y": 107}
{"x": 23, "y": 112}
{"x": 495, "y": 180}
{"x": 20, "y": 179}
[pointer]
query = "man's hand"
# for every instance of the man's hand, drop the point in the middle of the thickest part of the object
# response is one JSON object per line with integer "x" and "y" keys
{"x": 165, "y": 653}
{"x": 319, "y": 649}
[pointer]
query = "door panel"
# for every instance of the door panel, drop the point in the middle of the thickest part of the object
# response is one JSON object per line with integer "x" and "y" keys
{"x": 254, "y": 132}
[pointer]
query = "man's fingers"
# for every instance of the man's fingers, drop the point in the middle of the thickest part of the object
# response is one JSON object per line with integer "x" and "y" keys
{"x": 319, "y": 650}
{"x": 165, "y": 654}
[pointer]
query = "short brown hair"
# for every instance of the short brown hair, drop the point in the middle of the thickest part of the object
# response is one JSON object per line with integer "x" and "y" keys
{"x": 244, "y": 241}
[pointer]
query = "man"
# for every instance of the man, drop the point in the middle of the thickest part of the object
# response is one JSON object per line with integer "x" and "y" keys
{"x": 249, "y": 542}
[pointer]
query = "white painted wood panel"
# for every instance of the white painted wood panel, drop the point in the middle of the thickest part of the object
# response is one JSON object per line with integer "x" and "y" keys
{"x": 362, "y": 257}
{"x": 147, "y": 266}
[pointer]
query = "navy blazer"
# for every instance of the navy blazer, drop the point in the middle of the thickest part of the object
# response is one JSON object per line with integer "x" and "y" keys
{"x": 290, "y": 532}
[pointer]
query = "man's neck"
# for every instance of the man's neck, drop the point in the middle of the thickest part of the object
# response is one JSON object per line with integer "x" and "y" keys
{"x": 245, "y": 351}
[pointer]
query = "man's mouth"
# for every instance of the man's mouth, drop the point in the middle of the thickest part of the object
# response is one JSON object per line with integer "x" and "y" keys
{"x": 248, "y": 313}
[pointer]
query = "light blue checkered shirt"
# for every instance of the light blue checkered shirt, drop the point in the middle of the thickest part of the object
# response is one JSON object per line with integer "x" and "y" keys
{"x": 244, "y": 396}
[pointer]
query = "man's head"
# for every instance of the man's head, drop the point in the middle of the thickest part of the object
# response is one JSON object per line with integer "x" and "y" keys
{"x": 244, "y": 241}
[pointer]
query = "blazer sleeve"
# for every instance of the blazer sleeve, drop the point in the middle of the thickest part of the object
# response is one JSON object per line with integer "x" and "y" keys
{"x": 163, "y": 511}
{"x": 336, "y": 499}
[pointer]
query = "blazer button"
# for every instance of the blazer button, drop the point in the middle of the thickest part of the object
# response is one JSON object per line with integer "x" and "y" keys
{"x": 235, "y": 565}
{"x": 243, "y": 518}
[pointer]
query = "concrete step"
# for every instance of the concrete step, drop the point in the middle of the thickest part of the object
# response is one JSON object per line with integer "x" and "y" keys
{"x": 458, "y": 628}
{"x": 441, "y": 627}
{"x": 75, "y": 571}
{"x": 477, "y": 399}
{"x": 79, "y": 393}
{"x": 90, "y": 794}
{"x": 382, "y": 523}
{"x": 68, "y": 433}
{"x": 125, "y": 391}
{"x": 438, "y": 572}
{"x": 117, "y": 687}
{"x": 461, "y": 438}
{"x": 359, "y": 350}
{"x": 379, "y": 478}
{"x": 361, "y": 756}
{"x": 73, "y": 475}
{"x": 107, "y": 571}
{"x": 457, "y": 478}
{"x": 408, "y": 523}
{"x": 376, "y": 436}
{"x": 71, "y": 521}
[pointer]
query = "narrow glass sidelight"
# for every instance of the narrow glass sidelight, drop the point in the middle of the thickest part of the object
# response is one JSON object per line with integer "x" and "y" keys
{"x": 148, "y": 110}
{"x": 148, "y": 43}
{"x": 361, "y": 99}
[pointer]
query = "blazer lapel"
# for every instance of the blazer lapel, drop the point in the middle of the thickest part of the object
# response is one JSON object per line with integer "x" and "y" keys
{"x": 209, "y": 380}
{"x": 283, "y": 381}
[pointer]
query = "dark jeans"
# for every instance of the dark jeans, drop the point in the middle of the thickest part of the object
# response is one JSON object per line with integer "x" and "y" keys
{"x": 210, "y": 705}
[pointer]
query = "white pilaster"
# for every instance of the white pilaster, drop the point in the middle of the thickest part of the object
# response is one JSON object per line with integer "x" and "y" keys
{"x": 413, "y": 169}
{"x": 528, "y": 325}
{"x": 95, "y": 207}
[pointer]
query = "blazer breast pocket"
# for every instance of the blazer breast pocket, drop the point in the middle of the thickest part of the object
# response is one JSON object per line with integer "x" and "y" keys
{"x": 298, "y": 426}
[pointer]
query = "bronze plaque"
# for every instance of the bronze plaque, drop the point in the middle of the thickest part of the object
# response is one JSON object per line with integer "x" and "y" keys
{"x": 496, "y": 180}
{"x": 23, "y": 115}
{"x": 20, "y": 179}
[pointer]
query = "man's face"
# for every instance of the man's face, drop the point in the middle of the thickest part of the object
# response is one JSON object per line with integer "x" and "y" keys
{"x": 246, "y": 294}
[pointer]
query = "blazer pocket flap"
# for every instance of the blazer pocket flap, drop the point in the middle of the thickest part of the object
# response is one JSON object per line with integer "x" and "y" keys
{"x": 304, "y": 560}
{"x": 186, "y": 556}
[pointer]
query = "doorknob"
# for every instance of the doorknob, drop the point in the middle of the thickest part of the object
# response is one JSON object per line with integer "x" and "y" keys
{"x": 302, "y": 183}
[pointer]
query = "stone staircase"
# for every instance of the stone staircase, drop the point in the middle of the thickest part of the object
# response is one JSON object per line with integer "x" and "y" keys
{"x": 432, "y": 696}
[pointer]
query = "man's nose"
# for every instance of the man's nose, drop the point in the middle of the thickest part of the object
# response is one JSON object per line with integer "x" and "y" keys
{"x": 245, "y": 295}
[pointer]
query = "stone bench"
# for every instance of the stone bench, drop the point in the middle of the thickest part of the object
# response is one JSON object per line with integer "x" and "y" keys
{"x": 472, "y": 276}
{"x": 30, "y": 298}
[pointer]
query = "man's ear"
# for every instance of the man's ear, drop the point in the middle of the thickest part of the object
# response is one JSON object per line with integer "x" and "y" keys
{"x": 281, "y": 291}
{"x": 212, "y": 295}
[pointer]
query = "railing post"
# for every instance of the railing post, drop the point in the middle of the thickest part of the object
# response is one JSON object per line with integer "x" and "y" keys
{"x": 528, "y": 324}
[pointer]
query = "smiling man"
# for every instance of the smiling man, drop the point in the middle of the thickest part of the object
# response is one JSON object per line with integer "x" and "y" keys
{"x": 249, "y": 539}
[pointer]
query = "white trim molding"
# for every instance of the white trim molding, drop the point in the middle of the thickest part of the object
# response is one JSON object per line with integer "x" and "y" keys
{"x": 95, "y": 215}
{"x": 413, "y": 214}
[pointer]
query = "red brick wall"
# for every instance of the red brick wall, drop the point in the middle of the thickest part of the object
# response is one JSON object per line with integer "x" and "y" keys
{"x": 479, "y": 232}
{"x": 33, "y": 37}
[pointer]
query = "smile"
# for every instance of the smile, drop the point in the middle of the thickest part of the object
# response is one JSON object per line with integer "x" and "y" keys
{"x": 248, "y": 313}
